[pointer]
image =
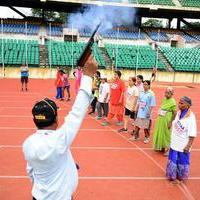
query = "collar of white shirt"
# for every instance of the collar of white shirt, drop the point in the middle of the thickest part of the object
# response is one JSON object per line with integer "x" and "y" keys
{"x": 45, "y": 132}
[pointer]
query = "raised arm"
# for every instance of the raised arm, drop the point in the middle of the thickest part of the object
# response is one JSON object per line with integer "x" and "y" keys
{"x": 75, "y": 117}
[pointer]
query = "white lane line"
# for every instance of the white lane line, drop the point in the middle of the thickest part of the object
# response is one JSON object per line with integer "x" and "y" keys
{"x": 16, "y": 116}
{"x": 182, "y": 186}
{"x": 85, "y": 148}
{"x": 19, "y": 92}
{"x": 95, "y": 148}
{"x": 129, "y": 178}
{"x": 16, "y": 128}
{"x": 106, "y": 177}
{"x": 10, "y": 146}
{"x": 22, "y": 95}
{"x": 28, "y": 107}
{"x": 22, "y": 116}
{"x": 14, "y": 101}
{"x": 15, "y": 107}
{"x": 30, "y": 116}
{"x": 30, "y": 128}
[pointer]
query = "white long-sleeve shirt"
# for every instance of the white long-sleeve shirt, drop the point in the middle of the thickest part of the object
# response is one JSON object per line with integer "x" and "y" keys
{"x": 49, "y": 160}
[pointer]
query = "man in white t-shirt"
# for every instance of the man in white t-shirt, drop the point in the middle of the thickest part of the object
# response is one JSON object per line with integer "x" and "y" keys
{"x": 184, "y": 130}
{"x": 104, "y": 96}
{"x": 131, "y": 97}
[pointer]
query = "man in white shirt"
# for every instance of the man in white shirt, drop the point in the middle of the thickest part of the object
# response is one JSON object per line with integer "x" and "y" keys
{"x": 50, "y": 164}
{"x": 104, "y": 96}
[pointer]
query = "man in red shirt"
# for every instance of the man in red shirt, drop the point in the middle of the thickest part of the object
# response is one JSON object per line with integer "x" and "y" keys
{"x": 116, "y": 106}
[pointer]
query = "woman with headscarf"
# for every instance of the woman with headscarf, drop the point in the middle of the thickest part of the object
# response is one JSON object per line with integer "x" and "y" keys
{"x": 184, "y": 131}
{"x": 166, "y": 115}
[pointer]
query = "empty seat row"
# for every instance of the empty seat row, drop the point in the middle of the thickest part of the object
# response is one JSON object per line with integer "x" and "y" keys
{"x": 67, "y": 53}
{"x": 183, "y": 59}
{"x": 129, "y": 56}
{"x": 16, "y": 52}
{"x": 190, "y": 3}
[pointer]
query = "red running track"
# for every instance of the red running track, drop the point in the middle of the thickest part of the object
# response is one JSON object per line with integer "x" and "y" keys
{"x": 111, "y": 167}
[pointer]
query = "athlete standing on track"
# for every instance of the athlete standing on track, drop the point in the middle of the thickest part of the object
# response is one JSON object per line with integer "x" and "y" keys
{"x": 24, "y": 77}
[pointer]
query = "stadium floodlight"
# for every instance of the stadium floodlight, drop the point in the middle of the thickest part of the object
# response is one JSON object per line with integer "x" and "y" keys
{"x": 43, "y": 0}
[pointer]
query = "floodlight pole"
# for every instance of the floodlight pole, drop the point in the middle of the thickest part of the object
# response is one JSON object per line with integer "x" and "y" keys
{"x": 72, "y": 49}
{"x": 137, "y": 56}
{"x": 2, "y": 48}
{"x": 26, "y": 44}
{"x": 158, "y": 39}
{"x": 50, "y": 47}
{"x": 116, "y": 54}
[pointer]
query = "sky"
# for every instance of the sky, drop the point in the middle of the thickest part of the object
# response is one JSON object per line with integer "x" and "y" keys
{"x": 6, "y": 12}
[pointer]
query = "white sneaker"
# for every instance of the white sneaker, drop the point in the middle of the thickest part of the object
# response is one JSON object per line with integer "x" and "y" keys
{"x": 146, "y": 140}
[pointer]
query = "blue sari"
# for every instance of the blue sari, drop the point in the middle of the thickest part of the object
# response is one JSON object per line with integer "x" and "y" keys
{"x": 178, "y": 165}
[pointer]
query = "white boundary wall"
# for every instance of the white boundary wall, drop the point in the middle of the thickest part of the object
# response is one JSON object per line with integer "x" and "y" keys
{"x": 45, "y": 73}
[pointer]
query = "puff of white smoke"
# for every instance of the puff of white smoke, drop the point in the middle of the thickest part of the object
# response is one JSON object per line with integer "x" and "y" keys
{"x": 108, "y": 16}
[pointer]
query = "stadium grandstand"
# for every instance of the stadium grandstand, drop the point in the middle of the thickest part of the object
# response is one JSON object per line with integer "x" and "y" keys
{"x": 43, "y": 43}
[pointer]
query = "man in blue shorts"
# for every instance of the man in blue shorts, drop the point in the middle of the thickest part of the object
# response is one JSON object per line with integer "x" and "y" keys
{"x": 24, "y": 77}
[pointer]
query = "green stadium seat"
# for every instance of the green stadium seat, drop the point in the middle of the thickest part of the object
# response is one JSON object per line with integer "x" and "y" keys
{"x": 190, "y": 3}
{"x": 127, "y": 56}
{"x": 183, "y": 59}
{"x": 157, "y": 2}
{"x": 15, "y": 50}
{"x": 62, "y": 53}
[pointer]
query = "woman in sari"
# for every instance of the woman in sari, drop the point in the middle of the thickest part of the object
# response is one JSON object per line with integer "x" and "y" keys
{"x": 167, "y": 112}
{"x": 184, "y": 130}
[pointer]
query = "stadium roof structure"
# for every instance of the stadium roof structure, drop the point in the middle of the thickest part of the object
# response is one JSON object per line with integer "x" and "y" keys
{"x": 176, "y": 10}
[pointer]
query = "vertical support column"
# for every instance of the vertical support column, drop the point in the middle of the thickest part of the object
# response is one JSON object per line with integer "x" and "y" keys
{"x": 2, "y": 48}
{"x": 26, "y": 49}
{"x": 72, "y": 49}
{"x": 158, "y": 40}
{"x": 116, "y": 54}
{"x": 50, "y": 47}
{"x": 137, "y": 56}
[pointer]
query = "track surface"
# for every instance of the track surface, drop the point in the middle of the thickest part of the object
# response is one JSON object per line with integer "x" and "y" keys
{"x": 111, "y": 167}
